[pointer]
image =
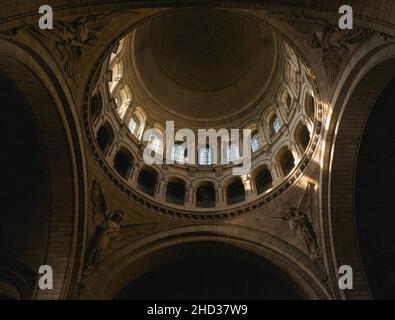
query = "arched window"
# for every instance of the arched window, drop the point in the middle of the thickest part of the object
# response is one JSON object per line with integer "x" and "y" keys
{"x": 205, "y": 195}
{"x": 180, "y": 152}
{"x": 140, "y": 117}
{"x": 232, "y": 152}
{"x": 155, "y": 143}
{"x": 205, "y": 156}
{"x": 275, "y": 124}
{"x": 147, "y": 181}
{"x": 140, "y": 131}
{"x": 105, "y": 137}
{"x": 97, "y": 106}
{"x": 235, "y": 192}
{"x": 123, "y": 163}
{"x": 263, "y": 180}
{"x": 175, "y": 191}
{"x": 132, "y": 126}
{"x": 123, "y": 101}
{"x": 302, "y": 137}
{"x": 309, "y": 105}
{"x": 287, "y": 161}
{"x": 256, "y": 141}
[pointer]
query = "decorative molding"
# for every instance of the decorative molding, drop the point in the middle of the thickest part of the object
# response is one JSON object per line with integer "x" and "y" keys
{"x": 219, "y": 213}
{"x": 335, "y": 45}
{"x": 68, "y": 40}
{"x": 108, "y": 229}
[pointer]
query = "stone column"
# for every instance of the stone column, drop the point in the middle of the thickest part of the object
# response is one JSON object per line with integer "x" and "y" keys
{"x": 220, "y": 198}
{"x": 190, "y": 198}
{"x": 248, "y": 187}
{"x": 111, "y": 153}
{"x": 275, "y": 171}
{"x": 135, "y": 175}
{"x": 161, "y": 189}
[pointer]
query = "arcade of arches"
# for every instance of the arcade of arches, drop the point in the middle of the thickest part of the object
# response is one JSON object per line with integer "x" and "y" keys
{"x": 82, "y": 104}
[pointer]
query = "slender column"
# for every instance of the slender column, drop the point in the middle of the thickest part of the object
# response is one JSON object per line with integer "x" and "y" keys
{"x": 190, "y": 198}
{"x": 220, "y": 197}
{"x": 248, "y": 187}
{"x": 161, "y": 189}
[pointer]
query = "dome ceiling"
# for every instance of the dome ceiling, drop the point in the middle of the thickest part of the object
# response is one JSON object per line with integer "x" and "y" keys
{"x": 204, "y": 50}
{"x": 203, "y": 64}
{"x": 196, "y": 64}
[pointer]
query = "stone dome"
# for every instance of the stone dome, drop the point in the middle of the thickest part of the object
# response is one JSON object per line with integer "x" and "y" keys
{"x": 203, "y": 64}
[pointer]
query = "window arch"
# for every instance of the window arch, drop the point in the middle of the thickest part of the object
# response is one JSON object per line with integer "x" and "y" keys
{"x": 235, "y": 192}
{"x": 205, "y": 195}
{"x": 256, "y": 141}
{"x": 263, "y": 180}
{"x": 275, "y": 124}
{"x": 286, "y": 161}
{"x": 133, "y": 126}
{"x": 136, "y": 122}
{"x": 147, "y": 181}
{"x": 123, "y": 100}
{"x": 286, "y": 99}
{"x": 176, "y": 191}
{"x": 123, "y": 163}
{"x": 105, "y": 137}
{"x": 155, "y": 142}
{"x": 97, "y": 106}
{"x": 302, "y": 136}
{"x": 142, "y": 118}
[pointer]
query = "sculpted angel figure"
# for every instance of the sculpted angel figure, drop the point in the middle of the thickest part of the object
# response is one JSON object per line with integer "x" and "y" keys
{"x": 301, "y": 225}
{"x": 69, "y": 38}
{"x": 108, "y": 229}
{"x": 333, "y": 43}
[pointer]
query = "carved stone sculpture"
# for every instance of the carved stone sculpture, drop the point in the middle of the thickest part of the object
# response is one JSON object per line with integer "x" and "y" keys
{"x": 334, "y": 44}
{"x": 300, "y": 223}
{"x": 67, "y": 39}
{"x": 108, "y": 229}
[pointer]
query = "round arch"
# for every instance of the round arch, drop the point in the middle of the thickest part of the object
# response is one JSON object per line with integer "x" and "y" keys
{"x": 54, "y": 116}
{"x": 144, "y": 255}
{"x": 358, "y": 95}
